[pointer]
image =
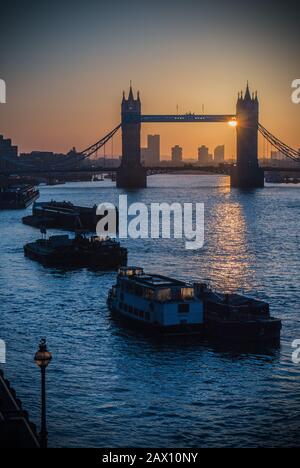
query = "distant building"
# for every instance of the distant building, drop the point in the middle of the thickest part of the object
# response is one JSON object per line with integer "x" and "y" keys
{"x": 154, "y": 149}
{"x": 277, "y": 156}
{"x": 42, "y": 157}
{"x": 144, "y": 156}
{"x": 7, "y": 151}
{"x": 176, "y": 154}
{"x": 150, "y": 156}
{"x": 203, "y": 155}
{"x": 219, "y": 154}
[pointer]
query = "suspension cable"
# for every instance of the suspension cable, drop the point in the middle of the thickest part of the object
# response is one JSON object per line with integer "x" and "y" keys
{"x": 279, "y": 145}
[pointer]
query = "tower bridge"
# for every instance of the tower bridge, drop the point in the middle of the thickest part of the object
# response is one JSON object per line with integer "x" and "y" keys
{"x": 132, "y": 174}
{"x": 246, "y": 173}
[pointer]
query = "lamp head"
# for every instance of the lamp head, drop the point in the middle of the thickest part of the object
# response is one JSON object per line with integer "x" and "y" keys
{"x": 42, "y": 357}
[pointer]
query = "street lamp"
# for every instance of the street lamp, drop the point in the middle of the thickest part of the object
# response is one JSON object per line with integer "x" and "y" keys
{"x": 42, "y": 358}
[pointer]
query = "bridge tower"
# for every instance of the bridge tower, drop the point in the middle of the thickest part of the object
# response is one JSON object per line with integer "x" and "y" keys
{"x": 247, "y": 173}
{"x": 131, "y": 173}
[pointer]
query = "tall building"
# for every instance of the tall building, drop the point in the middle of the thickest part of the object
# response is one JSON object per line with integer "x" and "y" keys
{"x": 150, "y": 156}
{"x": 154, "y": 149}
{"x": 203, "y": 155}
{"x": 6, "y": 148}
{"x": 176, "y": 154}
{"x": 7, "y": 152}
{"x": 219, "y": 154}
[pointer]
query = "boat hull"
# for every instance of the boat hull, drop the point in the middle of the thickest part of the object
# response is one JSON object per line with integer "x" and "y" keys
{"x": 19, "y": 204}
{"x": 259, "y": 331}
{"x": 55, "y": 215}
{"x": 72, "y": 259}
{"x": 152, "y": 329}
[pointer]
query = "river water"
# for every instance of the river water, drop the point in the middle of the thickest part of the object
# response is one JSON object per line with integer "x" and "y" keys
{"x": 111, "y": 387}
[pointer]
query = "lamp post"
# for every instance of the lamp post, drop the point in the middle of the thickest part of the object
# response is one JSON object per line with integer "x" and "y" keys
{"x": 42, "y": 358}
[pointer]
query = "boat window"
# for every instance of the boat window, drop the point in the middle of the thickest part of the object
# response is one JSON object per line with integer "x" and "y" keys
{"x": 187, "y": 293}
{"x": 164, "y": 295}
{"x": 183, "y": 308}
{"x": 149, "y": 294}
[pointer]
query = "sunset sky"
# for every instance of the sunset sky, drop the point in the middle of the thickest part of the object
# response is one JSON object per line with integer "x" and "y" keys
{"x": 66, "y": 64}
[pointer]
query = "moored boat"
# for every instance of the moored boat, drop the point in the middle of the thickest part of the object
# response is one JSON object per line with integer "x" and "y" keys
{"x": 156, "y": 303}
{"x": 165, "y": 306}
{"x": 17, "y": 197}
{"x": 81, "y": 251}
{"x": 237, "y": 318}
{"x": 63, "y": 215}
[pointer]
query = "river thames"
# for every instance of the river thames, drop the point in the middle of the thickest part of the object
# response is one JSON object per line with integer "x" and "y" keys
{"x": 111, "y": 387}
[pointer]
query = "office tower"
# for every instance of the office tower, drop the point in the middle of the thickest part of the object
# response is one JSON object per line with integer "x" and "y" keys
{"x": 176, "y": 154}
{"x": 203, "y": 155}
{"x": 219, "y": 154}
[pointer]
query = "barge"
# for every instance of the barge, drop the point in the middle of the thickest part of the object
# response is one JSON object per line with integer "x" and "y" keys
{"x": 63, "y": 215}
{"x": 165, "y": 306}
{"x": 17, "y": 197}
{"x": 81, "y": 251}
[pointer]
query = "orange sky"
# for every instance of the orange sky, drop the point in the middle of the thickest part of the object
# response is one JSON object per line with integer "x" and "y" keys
{"x": 64, "y": 87}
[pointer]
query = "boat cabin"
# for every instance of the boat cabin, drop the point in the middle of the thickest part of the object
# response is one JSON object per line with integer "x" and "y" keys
{"x": 156, "y": 298}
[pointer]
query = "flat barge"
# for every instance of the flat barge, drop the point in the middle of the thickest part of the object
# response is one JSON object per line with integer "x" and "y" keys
{"x": 160, "y": 305}
{"x": 63, "y": 215}
{"x": 17, "y": 197}
{"x": 81, "y": 251}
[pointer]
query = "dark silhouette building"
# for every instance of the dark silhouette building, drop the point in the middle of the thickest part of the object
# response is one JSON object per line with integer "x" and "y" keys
{"x": 203, "y": 155}
{"x": 150, "y": 156}
{"x": 247, "y": 172}
{"x": 8, "y": 154}
{"x": 219, "y": 154}
{"x": 176, "y": 154}
{"x": 131, "y": 173}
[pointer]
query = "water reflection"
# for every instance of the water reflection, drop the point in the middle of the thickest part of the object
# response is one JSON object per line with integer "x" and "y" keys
{"x": 230, "y": 265}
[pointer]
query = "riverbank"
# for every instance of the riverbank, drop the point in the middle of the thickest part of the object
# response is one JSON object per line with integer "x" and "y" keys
{"x": 16, "y": 430}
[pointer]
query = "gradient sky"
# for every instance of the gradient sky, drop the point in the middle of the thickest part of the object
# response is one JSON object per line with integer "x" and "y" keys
{"x": 66, "y": 64}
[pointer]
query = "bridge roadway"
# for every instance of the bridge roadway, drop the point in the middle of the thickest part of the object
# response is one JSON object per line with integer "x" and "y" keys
{"x": 159, "y": 169}
{"x": 187, "y": 118}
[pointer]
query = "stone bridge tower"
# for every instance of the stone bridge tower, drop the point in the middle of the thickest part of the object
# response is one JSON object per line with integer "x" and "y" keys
{"x": 131, "y": 173}
{"x": 247, "y": 173}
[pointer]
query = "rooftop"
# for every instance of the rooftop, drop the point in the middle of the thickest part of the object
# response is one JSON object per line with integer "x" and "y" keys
{"x": 154, "y": 280}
